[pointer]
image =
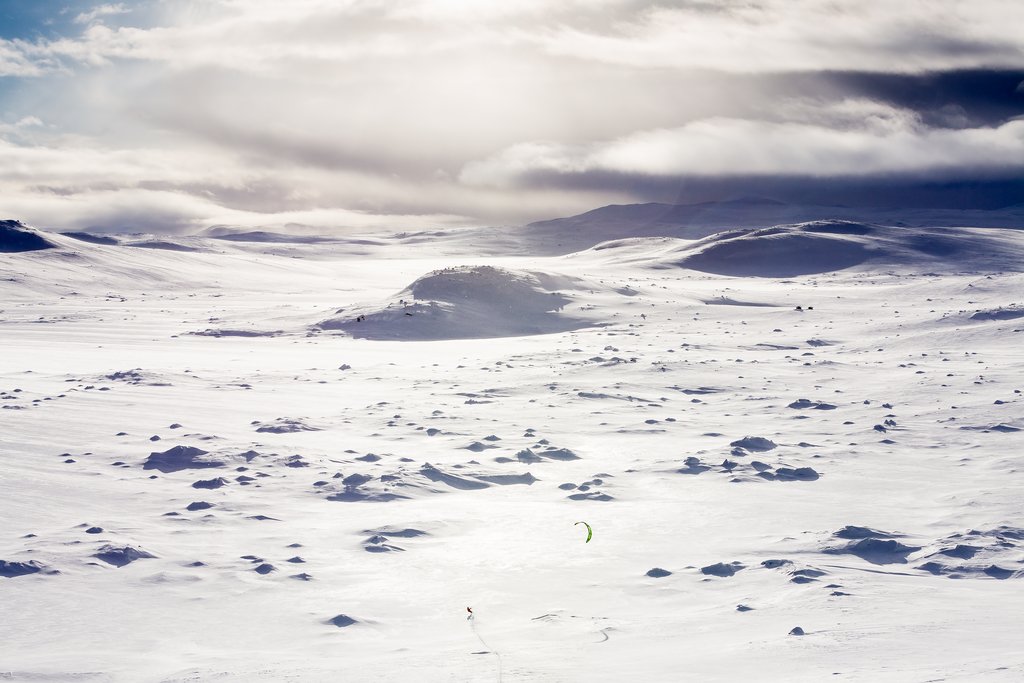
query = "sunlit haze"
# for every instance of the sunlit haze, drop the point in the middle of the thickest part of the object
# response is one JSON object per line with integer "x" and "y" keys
{"x": 176, "y": 115}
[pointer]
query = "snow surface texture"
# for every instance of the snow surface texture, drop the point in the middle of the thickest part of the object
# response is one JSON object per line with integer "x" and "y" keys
{"x": 248, "y": 457}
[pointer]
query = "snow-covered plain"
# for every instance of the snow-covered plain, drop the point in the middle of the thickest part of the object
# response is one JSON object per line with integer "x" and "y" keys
{"x": 271, "y": 459}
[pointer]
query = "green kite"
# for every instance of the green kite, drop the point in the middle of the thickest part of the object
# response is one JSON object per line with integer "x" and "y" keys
{"x": 590, "y": 532}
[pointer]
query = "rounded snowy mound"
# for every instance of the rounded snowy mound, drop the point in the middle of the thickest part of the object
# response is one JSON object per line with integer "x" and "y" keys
{"x": 776, "y": 253}
{"x": 827, "y": 246}
{"x": 468, "y": 302}
{"x": 17, "y": 237}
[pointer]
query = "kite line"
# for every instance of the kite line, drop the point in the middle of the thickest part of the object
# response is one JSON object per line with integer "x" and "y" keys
{"x": 472, "y": 623}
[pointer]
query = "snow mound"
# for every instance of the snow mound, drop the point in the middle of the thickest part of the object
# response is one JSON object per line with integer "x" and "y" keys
{"x": 775, "y": 252}
{"x": 466, "y": 302}
{"x": 1011, "y": 313}
{"x": 828, "y": 246}
{"x": 16, "y": 237}
{"x": 974, "y": 554}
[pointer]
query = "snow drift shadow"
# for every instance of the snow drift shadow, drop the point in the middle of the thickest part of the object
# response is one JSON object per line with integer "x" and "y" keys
{"x": 16, "y": 237}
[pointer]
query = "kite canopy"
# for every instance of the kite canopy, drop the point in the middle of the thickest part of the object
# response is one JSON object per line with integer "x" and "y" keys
{"x": 590, "y": 532}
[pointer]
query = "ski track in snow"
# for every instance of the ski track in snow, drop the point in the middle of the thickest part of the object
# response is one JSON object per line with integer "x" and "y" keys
{"x": 244, "y": 461}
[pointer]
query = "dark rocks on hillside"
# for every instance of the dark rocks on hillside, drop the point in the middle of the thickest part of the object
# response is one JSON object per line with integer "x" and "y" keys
{"x": 12, "y": 569}
{"x": 852, "y": 532}
{"x": 342, "y": 620}
{"x": 215, "y": 483}
{"x": 121, "y": 556}
{"x": 179, "y": 458}
{"x": 798, "y": 474}
{"x": 722, "y": 569}
{"x": 754, "y": 443}
{"x": 876, "y": 550}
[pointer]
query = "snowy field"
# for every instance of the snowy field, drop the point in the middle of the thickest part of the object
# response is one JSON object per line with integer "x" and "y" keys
{"x": 262, "y": 458}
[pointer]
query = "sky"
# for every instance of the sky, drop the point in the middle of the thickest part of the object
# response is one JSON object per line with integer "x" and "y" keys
{"x": 175, "y": 115}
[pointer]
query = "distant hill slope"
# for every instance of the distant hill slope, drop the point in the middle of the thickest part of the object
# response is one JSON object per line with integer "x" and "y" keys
{"x": 265, "y": 236}
{"x": 695, "y": 221}
{"x": 826, "y": 246}
{"x": 92, "y": 238}
{"x": 15, "y": 237}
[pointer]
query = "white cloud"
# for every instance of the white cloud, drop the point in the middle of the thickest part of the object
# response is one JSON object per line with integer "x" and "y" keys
{"x": 16, "y": 59}
{"x": 71, "y": 183}
{"x": 891, "y": 145}
{"x": 778, "y": 35}
{"x": 101, "y": 11}
{"x": 141, "y": 210}
{"x": 21, "y": 129}
{"x": 425, "y": 107}
{"x": 766, "y": 36}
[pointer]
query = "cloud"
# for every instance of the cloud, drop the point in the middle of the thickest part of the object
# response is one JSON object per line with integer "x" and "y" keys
{"x": 101, "y": 11}
{"x": 852, "y": 139}
{"x": 155, "y": 211}
{"x": 70, "y": 183}
{"x": 16, "y": 60}
{"x": 20, "y": 126}
{"x": 490, "y": 112}
{"x": 779, "y": 35}
{"x": 766, "y": 36}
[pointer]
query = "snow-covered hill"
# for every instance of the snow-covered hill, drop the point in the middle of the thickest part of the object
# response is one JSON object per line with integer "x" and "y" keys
{"x": 695, "y": 221}
{"x": 827, "y": 246}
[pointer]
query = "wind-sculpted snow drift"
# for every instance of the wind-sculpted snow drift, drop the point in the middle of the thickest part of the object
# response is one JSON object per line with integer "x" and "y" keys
{"x": 828, "y": 246}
